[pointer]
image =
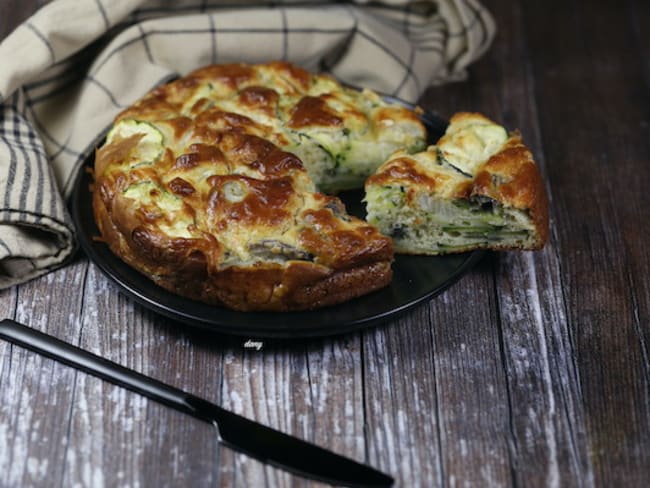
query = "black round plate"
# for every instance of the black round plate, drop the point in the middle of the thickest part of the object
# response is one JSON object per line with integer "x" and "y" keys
{"x": 416, "y": 279}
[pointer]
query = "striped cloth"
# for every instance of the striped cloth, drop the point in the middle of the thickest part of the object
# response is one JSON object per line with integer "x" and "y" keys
{"x": 70, "y": 68}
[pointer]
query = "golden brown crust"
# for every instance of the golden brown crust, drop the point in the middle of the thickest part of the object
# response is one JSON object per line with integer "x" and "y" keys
{"x": 220, "y": 213}
{"x": 313, "y": 111}
{"x": 184, "y": 268}
{"x": 406, "y": 170}
{"x": 512, "y": 178}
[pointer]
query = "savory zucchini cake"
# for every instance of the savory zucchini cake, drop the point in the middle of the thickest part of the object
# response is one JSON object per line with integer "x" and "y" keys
{"x": 478, "y": 187}
{"x": 340, "y": 134}
{"x": 211, "y": 186}
{"x": 195, "y": 186}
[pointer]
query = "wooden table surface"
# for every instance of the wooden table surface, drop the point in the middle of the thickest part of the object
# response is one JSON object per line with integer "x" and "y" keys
{"x": 533, "y": 370}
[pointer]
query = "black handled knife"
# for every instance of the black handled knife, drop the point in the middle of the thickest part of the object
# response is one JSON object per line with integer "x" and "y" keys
{"x": 239, "y": 433}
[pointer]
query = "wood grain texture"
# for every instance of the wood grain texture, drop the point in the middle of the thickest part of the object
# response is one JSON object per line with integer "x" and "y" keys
{"x": 37, "y": 393}
{"x": 599, "y": 60}
{"x": 533, "y": 370}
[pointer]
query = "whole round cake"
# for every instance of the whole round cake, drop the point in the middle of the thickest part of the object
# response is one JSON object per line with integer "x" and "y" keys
{"x": 212, "y": 186}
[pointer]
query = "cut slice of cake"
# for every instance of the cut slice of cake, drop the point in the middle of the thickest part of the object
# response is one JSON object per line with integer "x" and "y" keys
{"x": 478, "y": 187}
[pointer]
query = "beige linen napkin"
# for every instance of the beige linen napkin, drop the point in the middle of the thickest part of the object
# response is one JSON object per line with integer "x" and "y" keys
{"x": 70, "y": 68}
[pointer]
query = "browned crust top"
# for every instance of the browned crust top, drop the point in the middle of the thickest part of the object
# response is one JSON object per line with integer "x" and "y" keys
{"x": 232, "y": 187}
{"x": 512, "y": 178}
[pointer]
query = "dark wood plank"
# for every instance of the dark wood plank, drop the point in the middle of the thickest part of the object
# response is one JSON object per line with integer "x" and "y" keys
{"x": 428, "y": 379}
{"x": 16, "y": 11}
{"x": 634, "y": 224}
{"x": 547, "y": 419}
{"x": 588, "y": 73}
{"x": 8, "y": 299}
{"x": 470, "y": 377}
{"x": 37, "y": 393}
{"x": 400, "y": 401}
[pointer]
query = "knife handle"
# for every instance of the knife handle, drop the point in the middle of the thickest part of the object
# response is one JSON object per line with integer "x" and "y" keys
{"x": 95, "y": 365}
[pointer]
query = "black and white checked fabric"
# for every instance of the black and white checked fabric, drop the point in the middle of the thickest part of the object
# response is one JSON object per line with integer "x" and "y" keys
{"x": 69, "y": 69}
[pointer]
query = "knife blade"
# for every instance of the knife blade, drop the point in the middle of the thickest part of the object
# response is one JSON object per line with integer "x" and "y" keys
{"x": 239, "y": 433}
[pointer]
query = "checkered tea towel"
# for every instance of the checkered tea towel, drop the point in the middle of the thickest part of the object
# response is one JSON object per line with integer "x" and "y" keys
{"x": 70, "y": 68}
